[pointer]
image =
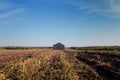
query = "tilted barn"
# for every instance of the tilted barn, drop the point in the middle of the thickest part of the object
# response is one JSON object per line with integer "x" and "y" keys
{"x": 58, "y": 46}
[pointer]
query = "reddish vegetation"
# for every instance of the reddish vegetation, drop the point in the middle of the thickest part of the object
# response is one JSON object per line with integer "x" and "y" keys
{"x": 6, "y": 58}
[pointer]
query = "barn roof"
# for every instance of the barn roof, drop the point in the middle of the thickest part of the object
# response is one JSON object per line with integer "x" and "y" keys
{"x": 59, "y": 44}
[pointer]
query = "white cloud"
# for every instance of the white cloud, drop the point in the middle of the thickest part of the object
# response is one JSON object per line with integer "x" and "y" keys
{"x": 13, "y": 12}
{"x": 115, "y": 6}
{"x": 110, "y": 8}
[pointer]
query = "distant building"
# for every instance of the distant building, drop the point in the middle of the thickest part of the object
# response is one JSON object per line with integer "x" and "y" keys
{"x": 58, "y": 46}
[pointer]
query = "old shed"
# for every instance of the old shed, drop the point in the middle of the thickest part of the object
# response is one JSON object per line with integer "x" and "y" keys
{"x": 58, "y": 46}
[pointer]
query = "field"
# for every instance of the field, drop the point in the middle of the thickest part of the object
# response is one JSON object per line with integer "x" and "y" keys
{"x": 49, "y": 64}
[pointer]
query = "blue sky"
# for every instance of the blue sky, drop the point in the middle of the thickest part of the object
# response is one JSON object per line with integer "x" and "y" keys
{"x": 71, "y": 22}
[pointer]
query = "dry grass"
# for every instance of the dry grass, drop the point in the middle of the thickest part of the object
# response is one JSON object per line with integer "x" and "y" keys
{"x": 36, "y": 65}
